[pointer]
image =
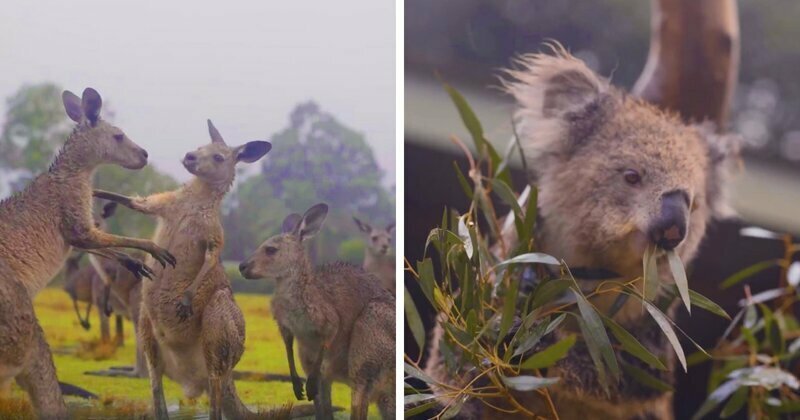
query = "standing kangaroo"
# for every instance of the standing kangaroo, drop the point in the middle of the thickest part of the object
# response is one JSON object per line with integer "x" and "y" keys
{"x": 190, "y": 326}
{"x": 38, "y": 228}
{"x": 377, "y": 258}
{"x": 342, "y": 319}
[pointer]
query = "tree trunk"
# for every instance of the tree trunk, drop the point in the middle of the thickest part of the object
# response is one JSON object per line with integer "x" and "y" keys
{"x": 693, "y": 62}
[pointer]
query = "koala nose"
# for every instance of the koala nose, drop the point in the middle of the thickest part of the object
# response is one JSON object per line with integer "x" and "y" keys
{"x": 669, "y": 230}
{"x": 190, "y": 157}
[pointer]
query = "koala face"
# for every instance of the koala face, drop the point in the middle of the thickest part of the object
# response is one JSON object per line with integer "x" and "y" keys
{"x": 615, "y": 174}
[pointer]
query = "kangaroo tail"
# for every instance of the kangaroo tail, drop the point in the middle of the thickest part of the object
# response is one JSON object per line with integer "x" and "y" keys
{"x": 75, "y": 391}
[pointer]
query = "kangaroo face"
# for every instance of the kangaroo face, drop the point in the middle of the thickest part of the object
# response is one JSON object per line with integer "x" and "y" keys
{"x": 99, "y": 138}
{"x": 379, "y": 241}
{"x": 216, "y": 162}
{"x": 284, "y": 253}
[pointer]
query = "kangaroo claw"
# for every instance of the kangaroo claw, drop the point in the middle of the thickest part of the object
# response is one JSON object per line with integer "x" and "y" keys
{"x": 311, "y": 387}
{"x": 86, "y": 325}
{"x": 297, "y": 384}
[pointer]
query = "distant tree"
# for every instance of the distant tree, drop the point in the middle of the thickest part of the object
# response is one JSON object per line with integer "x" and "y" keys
{"x": 316, "y": 158}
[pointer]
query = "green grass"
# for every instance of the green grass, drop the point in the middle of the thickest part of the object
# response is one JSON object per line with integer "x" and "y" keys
{"x": 264, "y": 352}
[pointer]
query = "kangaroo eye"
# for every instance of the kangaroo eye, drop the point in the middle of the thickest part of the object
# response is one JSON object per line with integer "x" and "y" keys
{"x": 632, "y": 177}
{"x": 219, "y": 158}
{"x": 119, "y": 137}
{"x": 270, "y": 250}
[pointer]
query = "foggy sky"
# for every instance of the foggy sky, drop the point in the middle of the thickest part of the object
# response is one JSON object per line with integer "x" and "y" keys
{"x": 166, "y": 66}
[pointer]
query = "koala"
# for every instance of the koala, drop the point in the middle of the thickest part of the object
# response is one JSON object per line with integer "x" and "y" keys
{"x": 615, "y": 175}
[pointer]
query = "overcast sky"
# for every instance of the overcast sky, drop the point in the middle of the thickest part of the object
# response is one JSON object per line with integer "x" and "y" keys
{"x": 166, "y": 66}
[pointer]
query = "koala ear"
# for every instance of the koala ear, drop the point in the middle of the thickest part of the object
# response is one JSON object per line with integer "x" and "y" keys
{"x": 72, "y": 104}
{"x": 362, "y": 226}
{"x": 252, "y": 151}
{"x": 724, "y": 159}
{"x": 553, "y": 85}
{"x": 312, "y": 221}
{"x": 91, "y": 104}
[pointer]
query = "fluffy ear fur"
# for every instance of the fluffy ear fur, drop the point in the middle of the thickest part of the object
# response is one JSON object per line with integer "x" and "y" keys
{"x": 291, "y": 222}
{"x": 92, "y": 103}
{"x": 724, "y": 160}
{"x": 72, "y": 104}
{"x": 551, "y": 90}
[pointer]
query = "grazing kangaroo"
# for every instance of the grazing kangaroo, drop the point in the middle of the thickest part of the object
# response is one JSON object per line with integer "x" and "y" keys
{"x": 190, "y": 326}
{"x": 342, "y": 319}
{"x": 38, "y": 228}
{"x": 377, "y": 258}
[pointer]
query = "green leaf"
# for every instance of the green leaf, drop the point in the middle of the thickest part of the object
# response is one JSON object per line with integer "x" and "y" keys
{"x": 595, "y": 334}
{"x": 527, "y": 383}
{"x": 679, "y": 275}
{"x": 530, "y": 214}
{"x": 530, "y": 258}
{"x": 666, "y": 327}
{"x": 549, "y": 355}
{"x": 419, "y": 409}
{"x": 413, "y": 319}
{"x": 735, "y": 403}
{"x": 509, "y": 308}
{"x": 548, "y": 291}
{"x": 701, "y": 302}
{"x": 645, "y": 378}
{"x": 507, "y": 196}
{"x": 415, "y": 372}
{"x": 650, "y": 273}
{"x": 427, "y": 280}
{"x": 529, "y": 335}
{"x": 463, "y": 181}
{"x": 748, "y": 272}
{"x": 716, "y": 398}
{"x": 632, "y": 345}
{"x": 455, "y": 407}
{"x": 414, "y": 399}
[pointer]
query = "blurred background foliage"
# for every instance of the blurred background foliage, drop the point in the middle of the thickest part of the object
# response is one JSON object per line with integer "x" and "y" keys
{"x": 315, "y": 158}
{"x": 467, "y": 41}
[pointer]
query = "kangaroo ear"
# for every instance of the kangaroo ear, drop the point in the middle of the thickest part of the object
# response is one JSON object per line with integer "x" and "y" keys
{"x": 214, "y": 133}
{"x": 291, "y": 223}
{"x": 363, "y": 226}
{"x": 252, "y": 151}
{"x": 390, "y": 228}
{"x": 109, "y": 209}
{"x": 312, "y": 221}
{"x": 72, "y": 104}
{"x": 91, "y": 104}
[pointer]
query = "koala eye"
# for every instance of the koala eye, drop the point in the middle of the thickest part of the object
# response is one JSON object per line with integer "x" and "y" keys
{"x": 119, "y": 137}
{"x": 270, "y": 250}
{"x": 632, "y": 177}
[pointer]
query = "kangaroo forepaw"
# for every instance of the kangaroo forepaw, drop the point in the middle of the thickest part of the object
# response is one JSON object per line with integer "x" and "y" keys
{"x": 297, "y": 384}
{"x": 184, "y": 307}
{"x": 164, "y": 257}
{"x": 86, "y": 325}
{"x": 138, "y": 268}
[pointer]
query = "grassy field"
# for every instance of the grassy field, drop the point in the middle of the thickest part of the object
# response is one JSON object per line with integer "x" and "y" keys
{"x": 71, "y": 344}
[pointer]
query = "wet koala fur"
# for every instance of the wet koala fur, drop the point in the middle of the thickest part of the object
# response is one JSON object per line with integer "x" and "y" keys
{"x": 615, "y": 175}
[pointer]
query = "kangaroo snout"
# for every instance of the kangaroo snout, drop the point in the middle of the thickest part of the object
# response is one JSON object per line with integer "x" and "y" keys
{"x": 244, "y": 269}
{"x": 669, "y": 229}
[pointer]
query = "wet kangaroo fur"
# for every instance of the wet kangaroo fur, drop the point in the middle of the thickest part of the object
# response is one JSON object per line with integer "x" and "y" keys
{"x": 378, "y": 258}
{"x": 38, "y": 228}
{"x": 342, "y": 318}
{"x": 190, "y": 326}
{"x": 615, "y": 175}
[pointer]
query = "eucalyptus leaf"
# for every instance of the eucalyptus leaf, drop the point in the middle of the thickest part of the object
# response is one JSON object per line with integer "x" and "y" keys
{"x": 645, "y": 378}
{"x": 679, "y": 275}
{"x": 413, "y": 319}
{"x": 595, "y": 334}
{"x": 650, "y": 273}
{"x": 530, "y": 258}
{"x": 716, "y": 398}
{"x": 632, "y": 345}
{"x": 735, "y": 403}
{"x": 464, "y": 234}
{"x": 549, "y": 291}
{"x": 415, "y": 372}
{"x": 549, "y": 355}
{"x": 748, "y": 272}
{"x": 665, "y": 325}
{"x": 527, "y": 383}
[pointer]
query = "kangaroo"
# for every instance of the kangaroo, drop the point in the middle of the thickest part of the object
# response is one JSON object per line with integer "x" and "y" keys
{"x": 38, "y": 228}
{"x": 377, "y": 258}
{"x": 342, "y": 319}
{"x": 190, "y": 326}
